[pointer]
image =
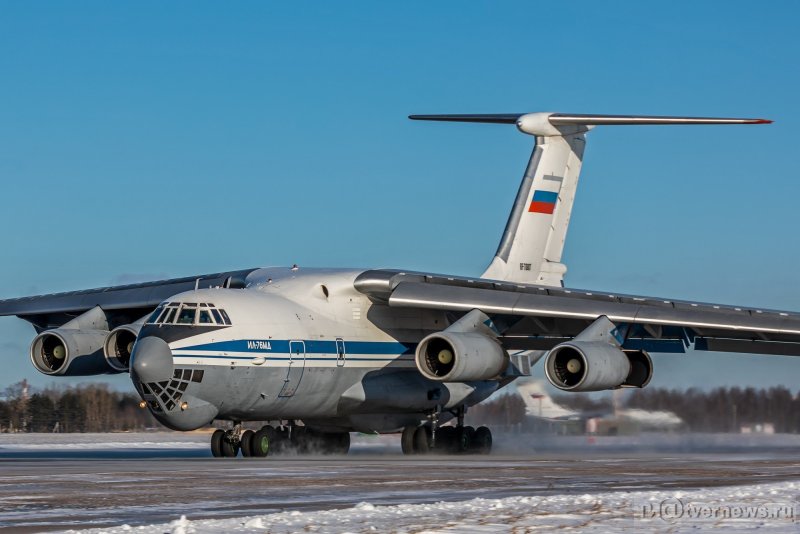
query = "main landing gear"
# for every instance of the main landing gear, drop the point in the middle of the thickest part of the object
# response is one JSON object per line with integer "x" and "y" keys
{"x": 446, "y": 440}
{"x": 271, "y": 440}
{"x": 459, "y": 439}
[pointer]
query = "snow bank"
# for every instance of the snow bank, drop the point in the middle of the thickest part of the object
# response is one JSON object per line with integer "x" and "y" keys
{"x": 600, "y": 512}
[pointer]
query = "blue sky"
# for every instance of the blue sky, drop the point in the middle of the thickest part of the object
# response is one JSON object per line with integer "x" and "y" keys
{"x": 272, "y": 134}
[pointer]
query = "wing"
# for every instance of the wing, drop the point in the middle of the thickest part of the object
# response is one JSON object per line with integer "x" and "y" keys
{"x": 533, "y": 317}
{"x": 124, "y": 303}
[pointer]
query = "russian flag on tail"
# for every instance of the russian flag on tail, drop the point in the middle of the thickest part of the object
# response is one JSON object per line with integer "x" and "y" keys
{"x": 543, "y": 202}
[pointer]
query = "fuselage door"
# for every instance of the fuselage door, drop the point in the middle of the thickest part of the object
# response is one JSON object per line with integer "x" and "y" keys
{"x": 296, "y": 363}
{"x": 341, "y": 354}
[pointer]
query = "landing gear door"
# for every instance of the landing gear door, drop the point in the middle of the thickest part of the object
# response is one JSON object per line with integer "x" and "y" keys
{"x": 341, "y": 352}
{"x": 297, "y": 364}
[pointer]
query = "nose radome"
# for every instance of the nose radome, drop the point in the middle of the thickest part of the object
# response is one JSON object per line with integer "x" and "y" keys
{"x": 151, "y": 360}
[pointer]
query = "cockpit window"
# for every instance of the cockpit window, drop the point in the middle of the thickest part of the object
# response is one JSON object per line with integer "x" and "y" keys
{"x": 168, "y": 316}
{"x": 155, "y": 314}
{"x": 186, "y": 316}
{"x": 203, "y": 314}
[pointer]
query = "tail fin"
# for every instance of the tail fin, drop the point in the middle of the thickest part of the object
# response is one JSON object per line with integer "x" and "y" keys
{"x": 531, "y": 247}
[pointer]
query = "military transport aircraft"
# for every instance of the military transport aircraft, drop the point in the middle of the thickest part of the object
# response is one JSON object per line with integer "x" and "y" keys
{"x": 319, "y": 353}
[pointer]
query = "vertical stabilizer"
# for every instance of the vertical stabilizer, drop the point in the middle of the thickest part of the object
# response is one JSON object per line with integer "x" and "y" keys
{"x": 533, "y": 240}
{"x": 531, "y": 247}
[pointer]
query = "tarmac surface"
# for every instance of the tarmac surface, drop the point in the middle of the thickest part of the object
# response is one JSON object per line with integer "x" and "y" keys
{"x": 44, "y": 488}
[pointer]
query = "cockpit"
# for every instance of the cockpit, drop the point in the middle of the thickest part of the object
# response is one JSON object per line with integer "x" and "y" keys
{"x": 190, "y": 314}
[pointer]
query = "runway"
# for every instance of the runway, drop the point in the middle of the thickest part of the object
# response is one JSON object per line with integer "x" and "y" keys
{"x": 81, "y": 486}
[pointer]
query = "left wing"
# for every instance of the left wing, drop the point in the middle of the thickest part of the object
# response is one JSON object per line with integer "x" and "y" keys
{"x": 540, "y": 317}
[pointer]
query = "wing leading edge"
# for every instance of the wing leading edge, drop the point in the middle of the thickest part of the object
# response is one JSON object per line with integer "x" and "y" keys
{"x": 541, "y": 317}
{"x": 47, "y": 311}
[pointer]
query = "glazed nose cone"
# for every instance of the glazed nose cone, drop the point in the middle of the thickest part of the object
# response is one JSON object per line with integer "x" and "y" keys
{"x": 151, "y": 360}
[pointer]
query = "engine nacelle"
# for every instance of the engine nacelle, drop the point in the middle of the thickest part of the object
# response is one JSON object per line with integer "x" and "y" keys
{"x": 596, "y": 366}
{"x": 70, "y": 352}
{"x": 118, "y": 346}
{"x": 460, "y": 357}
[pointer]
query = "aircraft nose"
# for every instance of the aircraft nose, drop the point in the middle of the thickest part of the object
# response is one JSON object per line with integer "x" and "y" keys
{"x": 151, "y": 360}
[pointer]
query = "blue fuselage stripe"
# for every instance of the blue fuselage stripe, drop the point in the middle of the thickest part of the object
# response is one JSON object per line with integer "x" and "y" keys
{"x": 281, "y": 346}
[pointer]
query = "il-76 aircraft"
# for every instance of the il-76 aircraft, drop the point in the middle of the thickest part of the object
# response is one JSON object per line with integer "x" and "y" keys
{"x": 320, "y": 353}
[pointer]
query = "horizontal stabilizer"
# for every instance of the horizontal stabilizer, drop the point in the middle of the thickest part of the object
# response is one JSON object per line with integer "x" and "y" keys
{"x": 563, "y": 119}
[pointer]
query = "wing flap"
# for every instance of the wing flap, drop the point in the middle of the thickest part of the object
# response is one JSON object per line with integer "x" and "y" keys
{"x": 542, "y": 314}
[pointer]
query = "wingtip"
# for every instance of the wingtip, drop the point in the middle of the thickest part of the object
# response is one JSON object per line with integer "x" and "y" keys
{"x": 763, "y": 121}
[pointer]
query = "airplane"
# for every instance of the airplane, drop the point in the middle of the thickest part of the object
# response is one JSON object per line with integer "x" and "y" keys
{"x": 541, "y": 408}
{"x": 320, "y": 353}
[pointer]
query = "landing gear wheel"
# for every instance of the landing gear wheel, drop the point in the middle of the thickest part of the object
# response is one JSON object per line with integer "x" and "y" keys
{"x": 422, "y": 440}
{"x": 464, "y": 436}
{"x": 216, "y": 443}
{"x": 407, "y": 440}
{"x": 261, "y": 442}
{"x": 482, "y": 441}
{"x": 246, "y": 443}
{"x": 445, "y": 439}
{"x": 229, "y": 449}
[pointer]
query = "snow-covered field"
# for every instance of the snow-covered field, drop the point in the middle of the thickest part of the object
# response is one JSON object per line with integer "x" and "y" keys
{"x": 770, "y": 507}
{"x": 109, "y": 441}
{"x": 166, "y": 482}
{"x": 530, "y": 444}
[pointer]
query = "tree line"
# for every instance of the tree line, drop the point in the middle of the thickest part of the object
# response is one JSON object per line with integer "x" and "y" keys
{"x": 88, "y": 408}
{"x": 97, "y": 408}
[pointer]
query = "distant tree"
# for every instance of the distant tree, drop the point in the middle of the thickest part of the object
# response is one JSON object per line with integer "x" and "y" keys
{"x": 42, "y": 414}
{"x": 71, "y": 413}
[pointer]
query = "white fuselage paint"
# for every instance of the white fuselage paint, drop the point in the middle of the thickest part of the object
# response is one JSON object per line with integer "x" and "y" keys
{"x": 307, "y": 345}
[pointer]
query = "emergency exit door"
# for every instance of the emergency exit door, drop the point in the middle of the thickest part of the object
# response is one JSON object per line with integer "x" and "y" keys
{"x": 296, "y": 366}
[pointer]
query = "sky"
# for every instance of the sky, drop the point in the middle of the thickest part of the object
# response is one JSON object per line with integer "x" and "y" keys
{"x": 149, "y": 139}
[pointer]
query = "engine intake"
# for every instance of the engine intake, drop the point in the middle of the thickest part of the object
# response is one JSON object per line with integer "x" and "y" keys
{"x": 70, "y": 352}
{"x": 460, "y": 357}
{"x": 596, "y": 366}
{"x": 118, "y": 346}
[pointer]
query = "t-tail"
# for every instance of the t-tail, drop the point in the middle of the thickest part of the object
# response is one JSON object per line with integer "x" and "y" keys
{"x": 533, "y": 241}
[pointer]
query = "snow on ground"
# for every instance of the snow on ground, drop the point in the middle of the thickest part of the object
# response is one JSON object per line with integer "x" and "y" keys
{"x": 771, "y": 507}
{"x": 121, "y": 440}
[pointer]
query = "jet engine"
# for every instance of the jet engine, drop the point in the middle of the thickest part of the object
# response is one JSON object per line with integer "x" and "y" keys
{"x": 596, "y": 366}
{"x": 70, "y": 352}
{"x": 460, "y": 357}
{"x": 118, "y": 346}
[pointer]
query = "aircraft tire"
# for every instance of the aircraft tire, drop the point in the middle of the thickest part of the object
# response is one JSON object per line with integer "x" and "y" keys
{"x": 261, "y": 442}
{"x": 422, "y": 440}
{"x": 463, "y": 439}
{"x": 216, "y": 443}
{"x": 407, "y": 440}
{"x": 229, "y": 450}
{"x": 246, "y": 443}
{"x": 446, "y": 439}
{"x": 482, "y": 441}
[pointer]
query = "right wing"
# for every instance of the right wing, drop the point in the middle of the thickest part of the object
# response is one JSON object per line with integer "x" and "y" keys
{"x": 125, "y": 303}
